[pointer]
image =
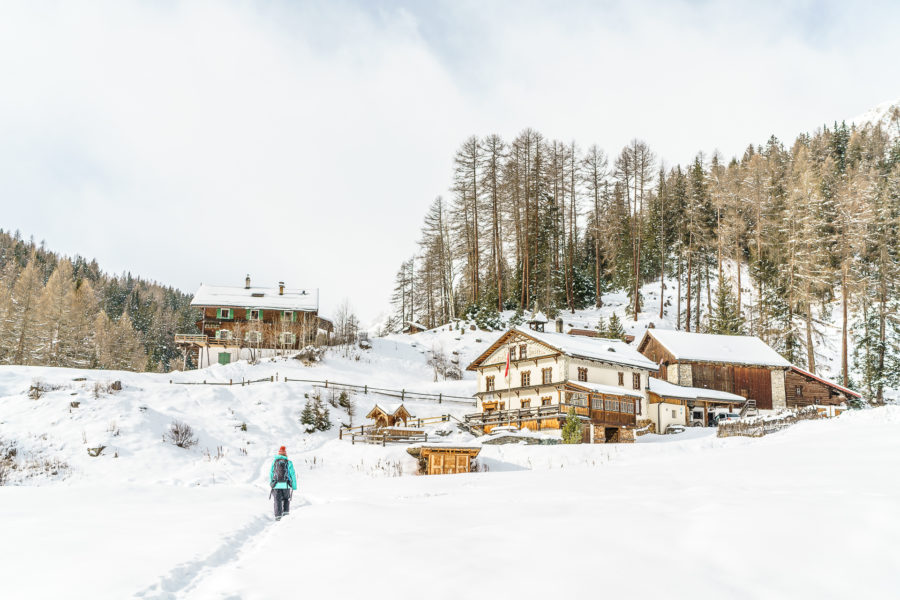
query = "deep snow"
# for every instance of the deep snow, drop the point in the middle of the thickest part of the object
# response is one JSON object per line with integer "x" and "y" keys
{"x": 808, "y": 512}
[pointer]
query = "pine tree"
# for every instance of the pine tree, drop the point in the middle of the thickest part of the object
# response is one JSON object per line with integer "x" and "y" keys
{"x": 308, "y": 416}
{"x": 571, "y": 431}
{"x": 615, "y": 330}
{"x": 725, "y": 319}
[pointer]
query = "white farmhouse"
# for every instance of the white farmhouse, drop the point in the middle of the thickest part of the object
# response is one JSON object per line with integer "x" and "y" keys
{"x": 532, "y": 379}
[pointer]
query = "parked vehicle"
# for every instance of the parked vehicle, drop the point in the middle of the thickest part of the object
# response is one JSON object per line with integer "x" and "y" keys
{"x": 726, "y": 418}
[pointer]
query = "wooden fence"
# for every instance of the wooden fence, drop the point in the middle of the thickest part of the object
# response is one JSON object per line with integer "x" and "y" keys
{"x": 760, "y": 426}
{"x": 402, "y": 394}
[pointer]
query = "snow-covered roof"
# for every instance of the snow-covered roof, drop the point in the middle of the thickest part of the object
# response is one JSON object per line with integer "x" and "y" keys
{"x": 612, "y": 351}
{"x": 601, "y": 388}
{"x": 417, "y": 325}
{"x": 388, "y": 409}
{"x": 708, "y": 347}
{"x": 670, "y": 390}
{"x": 840, "y": 388}
{"x": 538, "y": 317}
{"x": 257, "y": 297}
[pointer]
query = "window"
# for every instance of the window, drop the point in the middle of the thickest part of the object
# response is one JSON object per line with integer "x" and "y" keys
{"x": 224, "y": 313}
{"x": 546, "y": 401}
{"x": 622, "y": 379}
{"x": 610, "y": 404}
{"x": 525, "y": 403}
{"x": 287, "y": 315}
{"x": 627, "y": 407}
{"x": 547, "y": 375}
{"x": 596, "y": 403}
{"x": 512, "y": 353}
{"x": 798, "y": 391}
{"x": 223, "y": 334}
{"x": 254, "y": 314}
{"x": 286, "y": 337}
{"x": 582, "y": 373}
{"x": 489, "y": 383}
{"x": 254, "y": 337}
{"x": 674, "y": 414}
{"x": 523, "y": 351}
{"x": 636, "y": 380}
{"x": 526, "y": 378}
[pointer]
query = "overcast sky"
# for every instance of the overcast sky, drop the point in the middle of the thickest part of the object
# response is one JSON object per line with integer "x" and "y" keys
{"x": 198, "y": 142}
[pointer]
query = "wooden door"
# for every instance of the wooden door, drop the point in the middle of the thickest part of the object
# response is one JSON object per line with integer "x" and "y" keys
{"x": 437, "y": 464}
{"x": 462, "y": 463}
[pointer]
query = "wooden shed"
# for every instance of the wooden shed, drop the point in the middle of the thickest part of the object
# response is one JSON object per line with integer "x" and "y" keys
{"x": 388, "y": 416}
{"x": 445, "y": 460}
{"x": 807, "y": 389}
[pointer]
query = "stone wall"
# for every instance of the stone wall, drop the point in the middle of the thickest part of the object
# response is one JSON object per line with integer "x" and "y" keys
{"x": 685, "y": 374}
{"x": 779, "y": 397}
{"x": 644, "y": 426}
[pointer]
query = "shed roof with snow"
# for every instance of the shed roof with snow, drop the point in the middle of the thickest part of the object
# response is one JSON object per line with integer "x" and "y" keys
{"x": 707, "y": 347}
{"x": 665, "y": 389}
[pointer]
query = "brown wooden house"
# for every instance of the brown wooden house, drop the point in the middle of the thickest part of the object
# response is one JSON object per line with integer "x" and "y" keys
{"x": 738, "y": 364}
{"x": 803, "y": 388}
{"x": 252, "y": 322}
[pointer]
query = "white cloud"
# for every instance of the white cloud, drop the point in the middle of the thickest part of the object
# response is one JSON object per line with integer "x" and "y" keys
{"x": 202, "y": 141}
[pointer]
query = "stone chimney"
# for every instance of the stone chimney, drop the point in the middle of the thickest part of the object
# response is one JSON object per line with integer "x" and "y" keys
{"x": 281, "y": 288}
{"x": 247, "y": 282}
{"x": 559, "y": 325}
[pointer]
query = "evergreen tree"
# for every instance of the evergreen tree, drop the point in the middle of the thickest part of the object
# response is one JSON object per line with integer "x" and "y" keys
{"x": 571, "y": 431}
{"x": 615, "y": 330}
{"x": 308, "y": 416}
{"x": 725, "y": 319}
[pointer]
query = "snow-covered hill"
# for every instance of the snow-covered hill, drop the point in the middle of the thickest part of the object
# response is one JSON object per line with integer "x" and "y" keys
{"x": 707, "y": 517}
{"x": 886, "y": 114}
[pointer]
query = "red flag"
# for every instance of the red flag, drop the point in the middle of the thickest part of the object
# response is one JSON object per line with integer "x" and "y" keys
{"x": 506, "y": 374}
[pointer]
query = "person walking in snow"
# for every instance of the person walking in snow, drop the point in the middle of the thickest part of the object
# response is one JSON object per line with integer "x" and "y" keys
{"x": 283, "y": 482}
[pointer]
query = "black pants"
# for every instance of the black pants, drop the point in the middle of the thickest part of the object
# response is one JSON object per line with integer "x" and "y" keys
{"x": 282, "y": 502}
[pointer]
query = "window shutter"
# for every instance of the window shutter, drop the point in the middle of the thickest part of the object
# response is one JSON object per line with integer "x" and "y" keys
{"x": 294, "y": 316}
{"x": 218, "y": 313}
{"x": 248, "y": 314}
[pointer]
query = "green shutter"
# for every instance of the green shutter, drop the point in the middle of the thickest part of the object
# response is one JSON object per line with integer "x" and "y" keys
{"x": 294, "y": 316}
{"x": 218, "y": 313}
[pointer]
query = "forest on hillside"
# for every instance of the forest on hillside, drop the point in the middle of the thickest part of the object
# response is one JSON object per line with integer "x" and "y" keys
{"x": 64, "y": 312}
{"x": 534, "y": 222}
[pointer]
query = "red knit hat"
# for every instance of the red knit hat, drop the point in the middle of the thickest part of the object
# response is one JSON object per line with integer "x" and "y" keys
{"x": 282, "y": 451}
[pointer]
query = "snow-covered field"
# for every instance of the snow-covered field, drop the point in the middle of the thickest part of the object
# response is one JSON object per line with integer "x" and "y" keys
{"x": 807, "y": 512}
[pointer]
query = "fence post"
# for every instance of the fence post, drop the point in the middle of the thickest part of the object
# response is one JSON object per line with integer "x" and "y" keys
{"x": 230, "y": 382}
{"x": 439, "y": 397}
{"x": 326, "y": 384}
{"x": 366, "y": 389}
{"x": 402, "y": 395}
{"x": 271, "y": 378}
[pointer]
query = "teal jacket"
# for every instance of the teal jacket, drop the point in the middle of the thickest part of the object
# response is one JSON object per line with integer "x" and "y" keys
{"x": 282, "y": 485}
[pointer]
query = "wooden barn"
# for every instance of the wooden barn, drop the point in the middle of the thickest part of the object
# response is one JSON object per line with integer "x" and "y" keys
{"x": 389, "y": 415}
{"x": 252, "y": 322}
{"x": 737, "y": 364}
{"x": 803, "y": 388}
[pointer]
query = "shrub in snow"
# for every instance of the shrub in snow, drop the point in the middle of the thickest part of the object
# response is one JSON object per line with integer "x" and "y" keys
{"x": 181, "y": 434}
{"x": 310, "y": 354}
{"x": 571, "y": 432}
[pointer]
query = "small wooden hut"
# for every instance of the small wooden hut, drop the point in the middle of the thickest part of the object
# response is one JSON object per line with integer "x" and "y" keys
{"x": 445, "y": 460}
{"x": 389, "y": 416}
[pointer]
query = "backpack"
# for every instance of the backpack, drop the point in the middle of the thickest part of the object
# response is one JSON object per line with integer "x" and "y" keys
{"x": 280, "y": 473}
